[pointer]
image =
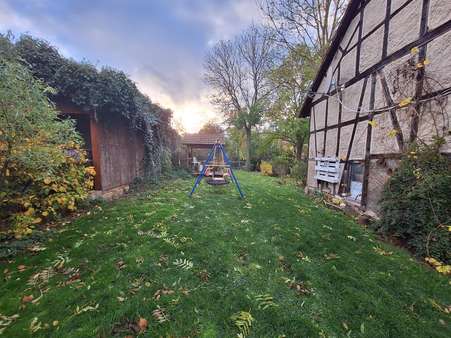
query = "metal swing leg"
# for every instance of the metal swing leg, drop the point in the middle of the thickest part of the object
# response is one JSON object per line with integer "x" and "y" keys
{"x": 229, "y": 163}
{"x": 204, "y": 169}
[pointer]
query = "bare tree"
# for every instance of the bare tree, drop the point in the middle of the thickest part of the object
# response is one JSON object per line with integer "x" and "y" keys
{"x": 237, "y": 71}
{"x": 308, "y": 22}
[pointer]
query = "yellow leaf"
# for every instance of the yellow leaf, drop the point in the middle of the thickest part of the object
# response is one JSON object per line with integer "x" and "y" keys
{"x": 414, "y": 51}
{"x": 426, "y": 61}
{"x": 445, "y": 269}
{"x": 37, "y": 220}
{"x": 392, "y": 133}
{"x": 405, "y": 102}
{"x": 47, "y": 180}
{"x": 420, "y": 65}
{"x": 432, "y": 261}
{"x": 29, "y": 212}
{"x": 45, "y": 213}
{"x": 372, "y": 123}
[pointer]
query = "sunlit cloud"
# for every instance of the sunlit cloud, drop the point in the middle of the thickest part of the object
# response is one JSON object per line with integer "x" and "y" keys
{"x": 161, "y": 44}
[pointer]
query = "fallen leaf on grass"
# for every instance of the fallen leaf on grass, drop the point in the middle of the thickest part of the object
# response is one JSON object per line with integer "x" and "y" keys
{"x": 331, "y": 256}
{"x": 204, "y": 276}
{"x": 142, "y": 324}
{"x": 21, "y": 268}
{"x": 86, "y": 308}
{"x": 6, "y": 321}
{"x": 382, "y": 252}
{"x": 120, "y": 264}
{"x": 162, "y": 292}
{"x": 36, "y": 248}
{"x": 27, "y": 299}
{"x": 160, "y": 315}
{"x": 35, "y": 325}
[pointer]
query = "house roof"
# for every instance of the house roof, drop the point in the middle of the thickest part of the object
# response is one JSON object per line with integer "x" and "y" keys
{"x": 350, "y": 13}
{"x": 202, "y": 139}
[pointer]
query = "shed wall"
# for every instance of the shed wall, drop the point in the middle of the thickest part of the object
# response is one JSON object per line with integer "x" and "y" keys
{"x": 121, "y": 152}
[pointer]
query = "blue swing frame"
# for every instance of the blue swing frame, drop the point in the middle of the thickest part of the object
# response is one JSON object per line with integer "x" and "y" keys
{"x": 207, "y": 164}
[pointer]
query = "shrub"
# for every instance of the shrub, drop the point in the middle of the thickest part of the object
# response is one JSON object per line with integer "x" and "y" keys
{"x": 299, "y": 171}
{"x": 280, "y": 165}
{"x": 266, "y": 168}
{"x": 42, "y": 165}
{"x": 416, "y": 202}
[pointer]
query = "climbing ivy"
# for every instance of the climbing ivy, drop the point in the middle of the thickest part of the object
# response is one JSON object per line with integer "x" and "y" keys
{"x": 104, "y": 91}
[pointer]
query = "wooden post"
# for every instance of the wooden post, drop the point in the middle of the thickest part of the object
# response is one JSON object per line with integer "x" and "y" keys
{"x": 96, "y": 152}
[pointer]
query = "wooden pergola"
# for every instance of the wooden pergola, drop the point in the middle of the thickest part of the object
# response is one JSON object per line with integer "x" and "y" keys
{"x": 203, "y": 142}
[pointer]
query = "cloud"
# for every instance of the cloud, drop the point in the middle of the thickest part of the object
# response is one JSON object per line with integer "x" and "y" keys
{"x": 160, "y": 44}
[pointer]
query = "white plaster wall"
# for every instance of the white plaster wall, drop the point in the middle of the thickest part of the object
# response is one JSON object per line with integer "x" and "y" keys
{"x": 390, "y": 73}
{"x": 439, "y": 12}
{"x": 332, "y": 115}
{"x": 404, "y": 26}
{"x": 352, "y": 26}
{"x": 359, "y": 144}
{"x": 345, "y": 138}
{"x": 331, "y": 142}
{"x": 320, "y": 114}
{"x": 381, "y": 141}
{"x": 350, "y": 99}
{"x": 311, "y": 149}
{"x": 374, "y": 13}
{"x": 439, "y": 55}
{"x": 395, "y": 4}
{"x": 347, "y": 70}
{"x": 371, "y": 49}
{"x": 320, "y": 142}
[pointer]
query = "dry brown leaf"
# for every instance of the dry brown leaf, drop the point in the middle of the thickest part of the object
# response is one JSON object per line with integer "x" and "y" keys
{"x": 142, "y": 323}
{"x": 21, "y": 267}
{"x": 27, "y": 299}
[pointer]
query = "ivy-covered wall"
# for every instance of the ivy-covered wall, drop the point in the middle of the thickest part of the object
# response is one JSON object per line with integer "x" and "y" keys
{"x": 105, "y": 91}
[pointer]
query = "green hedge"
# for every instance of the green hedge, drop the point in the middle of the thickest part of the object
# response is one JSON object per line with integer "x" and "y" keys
{"x": 416, "y": 203}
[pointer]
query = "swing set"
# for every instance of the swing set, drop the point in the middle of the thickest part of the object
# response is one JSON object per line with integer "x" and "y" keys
{"x": 217, "y": 169}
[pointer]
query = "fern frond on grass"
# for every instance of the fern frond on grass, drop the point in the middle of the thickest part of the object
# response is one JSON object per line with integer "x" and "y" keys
{"x": 243, "y": 321}
{"x": 184, "y": 264}
{"x": 160, "y": 315}
{"x": 265, "y": 301}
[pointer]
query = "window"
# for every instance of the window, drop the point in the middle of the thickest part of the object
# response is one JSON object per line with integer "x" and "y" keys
{"x": 354, "y": 181}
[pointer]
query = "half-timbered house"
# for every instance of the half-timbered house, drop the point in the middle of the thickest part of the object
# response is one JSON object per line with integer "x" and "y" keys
{"x": 383, "y": 83}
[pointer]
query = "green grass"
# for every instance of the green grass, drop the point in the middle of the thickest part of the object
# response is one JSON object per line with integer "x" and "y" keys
{"x": 321, "y": 269}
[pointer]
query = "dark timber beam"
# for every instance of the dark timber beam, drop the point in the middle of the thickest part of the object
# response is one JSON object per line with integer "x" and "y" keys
{"x": 356, "y": 122}
{"x": 393, "y": 116}
{"x": 366, "y": 168}
{"x": 426, "y": 38}
{"x": 420, "y": 73}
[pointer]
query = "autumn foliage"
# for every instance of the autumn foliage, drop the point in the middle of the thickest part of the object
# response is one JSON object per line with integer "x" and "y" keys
{"x": 43, "y": 170}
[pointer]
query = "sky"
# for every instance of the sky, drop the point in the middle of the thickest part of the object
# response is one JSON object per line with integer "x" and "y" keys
{"x": 160, "y": 44}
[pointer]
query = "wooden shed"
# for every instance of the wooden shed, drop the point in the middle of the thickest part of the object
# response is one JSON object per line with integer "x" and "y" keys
{"x": 197, "y": 147}
{"x": 388, "y": 62}
{"x": 114, "y": 148}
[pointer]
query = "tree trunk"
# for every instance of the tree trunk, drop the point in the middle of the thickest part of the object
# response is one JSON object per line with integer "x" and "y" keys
{"x": 299, "y": 148}
{"x": 248, "y": 148}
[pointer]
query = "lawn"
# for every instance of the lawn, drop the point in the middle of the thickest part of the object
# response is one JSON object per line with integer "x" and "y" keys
{"x": 187, "y": 265}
